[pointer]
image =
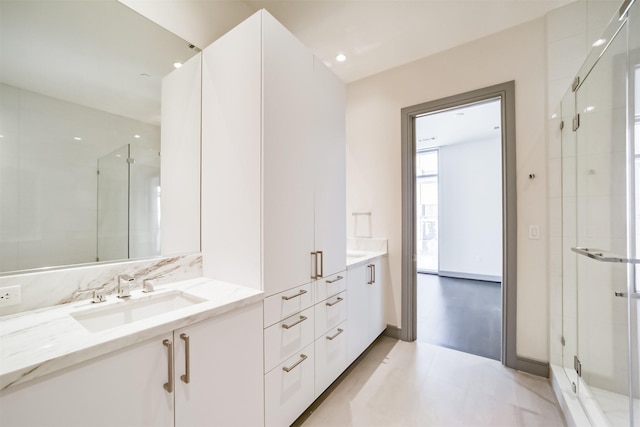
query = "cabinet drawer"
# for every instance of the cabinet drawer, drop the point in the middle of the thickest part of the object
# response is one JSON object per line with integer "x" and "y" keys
{"x": 330, "y": 312}
{"x": 331, "y": 357}
{"x": 283, "y": 339}
{"x": 287, "y": 303}
{"x": 329, "y": 286}
{"x": 288, "y": 394}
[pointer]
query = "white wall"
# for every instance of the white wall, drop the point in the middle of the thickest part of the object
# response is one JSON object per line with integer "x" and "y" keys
{"x": 373, "y": 154}
{"x": 470, "y": 209}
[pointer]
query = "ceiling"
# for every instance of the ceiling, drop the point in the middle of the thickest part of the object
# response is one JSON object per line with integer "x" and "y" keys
{"x": 375, "y": 35}
{"x": 100, "y": 54}
{"x": 468, "y": 123}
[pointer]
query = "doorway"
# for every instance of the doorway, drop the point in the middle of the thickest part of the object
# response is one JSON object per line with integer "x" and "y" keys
{"x": 411, "y": 226}
{"x": 459, "y": 236}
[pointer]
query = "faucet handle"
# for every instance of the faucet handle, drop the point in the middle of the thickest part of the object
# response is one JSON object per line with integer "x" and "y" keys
{"x": 147, "y": 285}
{"x": 99, "y": 295}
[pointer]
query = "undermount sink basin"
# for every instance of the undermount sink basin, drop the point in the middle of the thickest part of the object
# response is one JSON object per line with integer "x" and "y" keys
{"x": 96, "y": 318}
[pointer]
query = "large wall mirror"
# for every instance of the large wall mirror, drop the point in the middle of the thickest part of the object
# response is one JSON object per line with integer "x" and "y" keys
{"x": 80, "y": 132}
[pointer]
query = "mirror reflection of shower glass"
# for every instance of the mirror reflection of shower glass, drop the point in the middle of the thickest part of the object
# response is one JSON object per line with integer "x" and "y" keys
{"x": 129, "y": 202}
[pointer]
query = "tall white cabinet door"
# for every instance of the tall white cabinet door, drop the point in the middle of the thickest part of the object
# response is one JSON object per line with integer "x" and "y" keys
{"x": 358, "y": 337}
{"x": 124, "y": 388}
{"x": 287, "y": 173}
{"x": 225, "y": 371}
{"x": 231, "y": 156}
{"x": 376, "y": 303}
{"x": 330, "y": 169}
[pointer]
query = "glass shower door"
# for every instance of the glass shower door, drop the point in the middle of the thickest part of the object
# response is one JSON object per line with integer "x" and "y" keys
{"x": 569, "y": 240}
{"x": 113, "y": 205}
{"x": 603, "y": 234}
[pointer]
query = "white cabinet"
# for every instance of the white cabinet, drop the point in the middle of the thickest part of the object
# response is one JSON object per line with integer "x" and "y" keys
{"x": 225, "y": 370}
{"x": 330, "y": 329}
{"x": 131, "y": 386}
{"x": 329, "y": 162}
{"x": 365, "y": 309}
{"x": 122, "y": 388}
{"x": 273, "y": 157}
{"x": 289, "y": 388}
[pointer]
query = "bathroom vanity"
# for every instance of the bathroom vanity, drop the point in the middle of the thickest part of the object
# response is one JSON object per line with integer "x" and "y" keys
{"x": 183, "y": 353}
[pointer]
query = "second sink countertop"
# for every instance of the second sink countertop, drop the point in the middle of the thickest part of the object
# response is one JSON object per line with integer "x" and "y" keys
{"x": 356, "y": 258}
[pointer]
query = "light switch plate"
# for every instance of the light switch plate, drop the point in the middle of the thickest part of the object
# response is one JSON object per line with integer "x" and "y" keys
{"x": 534, "y": 232}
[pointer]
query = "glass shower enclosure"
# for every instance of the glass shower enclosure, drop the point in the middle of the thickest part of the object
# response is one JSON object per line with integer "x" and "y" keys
{"x": 129, "y": 203}
{"x": 601, "y": 240}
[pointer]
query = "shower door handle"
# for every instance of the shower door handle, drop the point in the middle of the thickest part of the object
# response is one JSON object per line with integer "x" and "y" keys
{"x": 635, "y": 295}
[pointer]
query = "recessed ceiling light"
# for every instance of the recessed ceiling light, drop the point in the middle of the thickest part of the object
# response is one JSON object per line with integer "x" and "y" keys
{"x": 177, "y": 64}
{"x": 599, "y": 42}
{"x": 341, "y": 57}
{"x": 77, "y": 138}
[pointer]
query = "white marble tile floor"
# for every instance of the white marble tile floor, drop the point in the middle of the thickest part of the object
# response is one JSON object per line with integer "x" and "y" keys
{"x": 397, "y": 383}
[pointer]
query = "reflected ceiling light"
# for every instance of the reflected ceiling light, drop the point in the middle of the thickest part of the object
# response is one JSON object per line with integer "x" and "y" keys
{"x": 590, "y": 108}
{"x": 554, "y": 116}
{"x": 599, "y": 42}
{"x": 341, "y": 57}
{"x": 77, "y": 138}
{"x": 136, "y": 136}
{"x": 177, "y": 64}
{"x": 1, "y": 136}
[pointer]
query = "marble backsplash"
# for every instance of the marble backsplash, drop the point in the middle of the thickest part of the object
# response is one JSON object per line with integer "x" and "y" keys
{"x": 47, "y": 288}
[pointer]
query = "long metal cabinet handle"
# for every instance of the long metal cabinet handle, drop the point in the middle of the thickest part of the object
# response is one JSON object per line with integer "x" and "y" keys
{"x": 314, "y": 265}
{"x": 297, "y": 322}
{"x": 169, "y": 385}
{"x": 335, "y": 280}
{"x": 302, "y": 292}
{"x": 373, "y": 269}
{"x": 187, "y": 364}
{"x": 303, "y": 357}
{"x": 331, "y": 304}
{"x": 335, "y": 335}
{"x": 370, "y": 281}
{"x": 321, "y": 264}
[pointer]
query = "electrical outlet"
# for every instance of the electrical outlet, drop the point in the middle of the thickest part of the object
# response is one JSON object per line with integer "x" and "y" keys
{"x": 11, "y": 295}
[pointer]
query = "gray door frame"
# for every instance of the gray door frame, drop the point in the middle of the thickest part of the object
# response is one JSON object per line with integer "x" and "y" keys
{"x": 506, "y": 92}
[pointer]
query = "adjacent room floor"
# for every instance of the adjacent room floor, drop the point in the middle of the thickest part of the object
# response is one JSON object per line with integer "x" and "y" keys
{"x": 396, "y": 383}
{"x": 460, "y": 314}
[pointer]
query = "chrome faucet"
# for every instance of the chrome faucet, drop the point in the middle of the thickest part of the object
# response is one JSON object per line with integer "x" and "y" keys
{"x": 124, "y": 285}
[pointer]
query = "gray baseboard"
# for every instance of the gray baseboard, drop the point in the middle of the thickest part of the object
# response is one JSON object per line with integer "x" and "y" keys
{"x": 533, "y": 367}
{"x": 393, "y": 332}
{"x": 471, "y": 276}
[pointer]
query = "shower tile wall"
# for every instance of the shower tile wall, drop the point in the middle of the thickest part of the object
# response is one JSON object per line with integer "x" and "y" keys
{"x": 46, "y": 208}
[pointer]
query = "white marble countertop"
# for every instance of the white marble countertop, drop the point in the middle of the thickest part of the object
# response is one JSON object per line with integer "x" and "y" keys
{"x": 358, "y": 257}
{"x": 39, "y": 342}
